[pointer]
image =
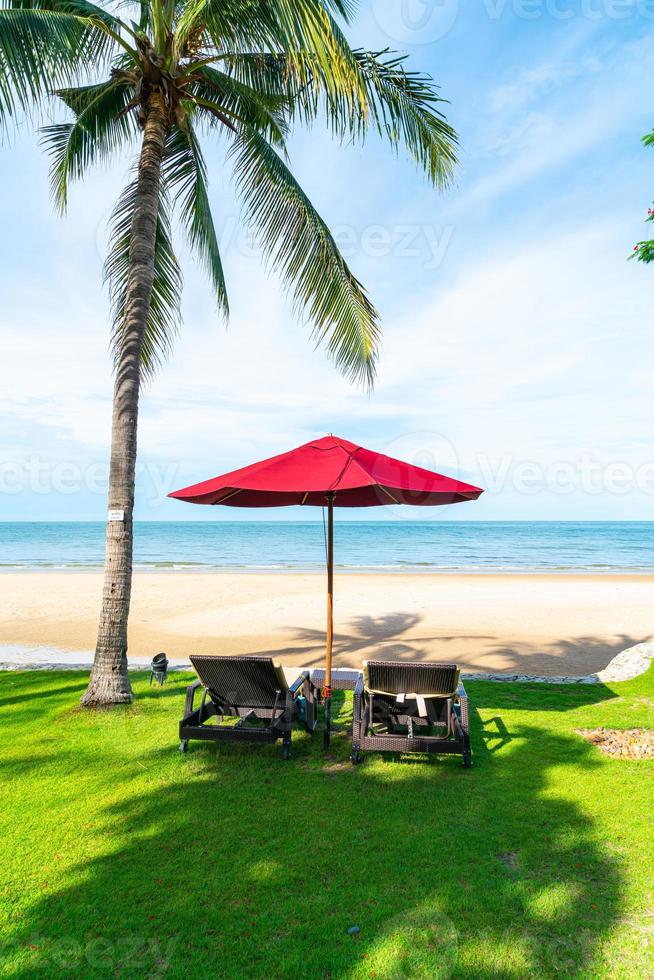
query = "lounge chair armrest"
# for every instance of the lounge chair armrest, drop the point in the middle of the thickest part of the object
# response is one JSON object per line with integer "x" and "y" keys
{"x": 299, "y": 683}
{"x": 190, "y": 695}
{"x": 358, "y": 707}
{"x": 358, "y": 703}
{"x": 461, "y": 698}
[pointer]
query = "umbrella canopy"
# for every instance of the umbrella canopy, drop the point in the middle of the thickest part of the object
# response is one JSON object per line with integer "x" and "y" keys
{"x": 329, "y": 472}
{"x": 356, "y": 477}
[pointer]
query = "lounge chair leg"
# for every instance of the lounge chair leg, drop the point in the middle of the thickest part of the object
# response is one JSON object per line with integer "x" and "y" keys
{"x": 286, "y": 747}
{"x": 183, "y": 745}
{"x": 355, "y": 757}
{"x": 327, "y": 722}
{"x": 467, "y": 753}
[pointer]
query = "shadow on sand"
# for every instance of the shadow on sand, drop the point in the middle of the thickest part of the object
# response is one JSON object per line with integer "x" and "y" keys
{"x": 390, "y": 637}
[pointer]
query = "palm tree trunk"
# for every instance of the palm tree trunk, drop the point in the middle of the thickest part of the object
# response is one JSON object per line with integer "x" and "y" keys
{"x": 109, "y": 681}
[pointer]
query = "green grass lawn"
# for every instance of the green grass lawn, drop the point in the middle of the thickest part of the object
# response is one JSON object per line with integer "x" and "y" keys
{"x": 121, "y": 857}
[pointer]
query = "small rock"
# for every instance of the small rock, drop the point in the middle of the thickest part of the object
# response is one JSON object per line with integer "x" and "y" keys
{"x": 352, "y": 931}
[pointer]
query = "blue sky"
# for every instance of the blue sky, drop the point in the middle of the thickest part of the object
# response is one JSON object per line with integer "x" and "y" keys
{"x": 517, "y": 339}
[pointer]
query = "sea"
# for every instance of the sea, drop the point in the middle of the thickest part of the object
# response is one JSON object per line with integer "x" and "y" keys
{"x": 377, "y": 546}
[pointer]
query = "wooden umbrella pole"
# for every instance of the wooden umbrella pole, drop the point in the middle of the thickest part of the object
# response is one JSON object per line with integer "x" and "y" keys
{"x": 327, "y": 689}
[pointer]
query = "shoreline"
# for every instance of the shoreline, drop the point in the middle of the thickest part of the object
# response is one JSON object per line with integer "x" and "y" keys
{"x": 315, "y": 570}
{"x": 537, "y": 625}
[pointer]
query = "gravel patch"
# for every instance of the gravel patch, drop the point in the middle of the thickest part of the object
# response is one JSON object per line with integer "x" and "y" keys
{"x": 635, "y": 743}
{"x": 533, "y": 678}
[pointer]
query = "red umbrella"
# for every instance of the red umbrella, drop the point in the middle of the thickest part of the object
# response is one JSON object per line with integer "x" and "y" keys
{"x": 337, "y": 473}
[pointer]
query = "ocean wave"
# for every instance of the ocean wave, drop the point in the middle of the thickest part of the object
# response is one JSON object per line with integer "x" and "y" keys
{"x": 399, "y": 568}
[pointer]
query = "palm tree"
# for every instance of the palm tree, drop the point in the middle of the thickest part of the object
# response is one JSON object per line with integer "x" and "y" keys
{"x": 152, "y": 79}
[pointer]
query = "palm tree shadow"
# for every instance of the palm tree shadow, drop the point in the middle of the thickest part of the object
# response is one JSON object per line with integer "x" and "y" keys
{"x": 25, "y": 694}
{"x": 229, "y": 856}
{"x": 393, "y": 636}
{"x": 593, "y": 652}
{"x": 383, "y": 636}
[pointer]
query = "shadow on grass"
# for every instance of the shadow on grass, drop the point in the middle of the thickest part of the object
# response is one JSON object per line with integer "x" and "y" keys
{"x": 25, "y": 692}
{"x": 232, "y": 863}
{"x": 536, "y": 696}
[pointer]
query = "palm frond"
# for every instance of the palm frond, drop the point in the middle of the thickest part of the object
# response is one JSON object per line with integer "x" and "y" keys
{"x": 298, "y": 243}
{"x": 89, "y": 13}
{"x": 264, "y": 71}
{"x": 266, "y": 24}
{"x": 164, "y": 314}
{"x": 145, "y": 14}
{"x": 275, "y": 74}
{"x": 41, "y": 50}
{"x": 185, "y": 178}
{"x": 404, "y": 107}
{"x": 78, "y": 8}
{"x": 102, "y": 126}
{"x": 159, "y": 27}
{"x": 305, "y": 30}
{"x": 263, "y": 111}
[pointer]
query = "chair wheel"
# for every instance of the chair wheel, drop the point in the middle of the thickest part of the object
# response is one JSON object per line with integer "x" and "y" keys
{"x": 355, "y": 757}
{"x": 183, "y": 745}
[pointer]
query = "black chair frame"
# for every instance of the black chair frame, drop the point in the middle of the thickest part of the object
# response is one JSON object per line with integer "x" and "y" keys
{"x": 381, "y": 723}
{"x": 257, "y": 722}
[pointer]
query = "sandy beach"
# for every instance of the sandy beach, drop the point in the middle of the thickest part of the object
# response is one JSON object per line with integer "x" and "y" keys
{"x": 535, "y": 624}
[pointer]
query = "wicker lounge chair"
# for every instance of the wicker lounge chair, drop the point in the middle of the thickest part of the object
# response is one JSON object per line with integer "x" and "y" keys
{"x": 253, "y": 689}
{"x": 398, "y": 707}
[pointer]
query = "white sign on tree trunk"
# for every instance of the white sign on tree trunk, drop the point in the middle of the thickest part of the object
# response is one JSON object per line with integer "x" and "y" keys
{"x": 116, "y": 515}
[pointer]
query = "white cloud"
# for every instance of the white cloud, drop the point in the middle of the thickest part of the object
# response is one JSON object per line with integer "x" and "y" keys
{"x": 540, "y": 126}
